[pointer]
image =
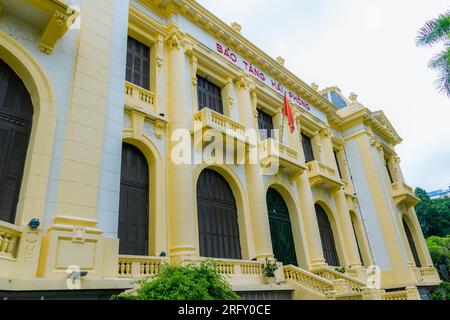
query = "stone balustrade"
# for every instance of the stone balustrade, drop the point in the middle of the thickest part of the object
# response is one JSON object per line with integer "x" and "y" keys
{"x": 401, "y": 295}
{"x": 209, "y": 119}
{"x": 9, "y": 241}
{"x": 352, "y": 284}
{"x": 321, "y": 174}
{"x": 404, "y": 194}
{"x": 310, "y": 280}
{"x": 140, "y": 99}
{"x": 139, "y": 267}
{"x": 272, "y": 153}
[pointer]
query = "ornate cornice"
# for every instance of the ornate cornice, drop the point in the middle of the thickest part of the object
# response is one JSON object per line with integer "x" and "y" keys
{"x": 225, "y": 33}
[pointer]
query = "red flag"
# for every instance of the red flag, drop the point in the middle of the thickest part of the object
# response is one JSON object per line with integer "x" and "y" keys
{"x": 288, "y": 113}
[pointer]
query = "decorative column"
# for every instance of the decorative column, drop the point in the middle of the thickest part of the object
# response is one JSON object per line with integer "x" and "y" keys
{"x": 424, "y": 252}
{"x": 350, "y": 248}
{"x": 74, "y": 237}
{"x": 255, "y": 184}
{"x": 306, "y": 199}
{"x": 394, "y": 167}
{"x": 181, "y": 197}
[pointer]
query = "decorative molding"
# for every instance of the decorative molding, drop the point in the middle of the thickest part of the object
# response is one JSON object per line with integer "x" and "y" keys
{"x": 176, "y": 39}
{"x": 61, "y": 18}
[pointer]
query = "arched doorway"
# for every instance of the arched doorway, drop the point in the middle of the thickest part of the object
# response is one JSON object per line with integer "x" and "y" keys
{"x": 412, "y": 244}
{"x": 217, "y": 217}
{"x": 327, "y": 237}
{"x": 281, "y": 228}
{"x": 133, "y": 209}
{"x": 16, "y": 117}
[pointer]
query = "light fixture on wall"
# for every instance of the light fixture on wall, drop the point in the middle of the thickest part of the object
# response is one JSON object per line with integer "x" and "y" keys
{"x": 34, "y": 223}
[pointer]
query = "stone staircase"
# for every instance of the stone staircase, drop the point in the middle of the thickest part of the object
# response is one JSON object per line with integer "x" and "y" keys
{"x": 325, "y": 284}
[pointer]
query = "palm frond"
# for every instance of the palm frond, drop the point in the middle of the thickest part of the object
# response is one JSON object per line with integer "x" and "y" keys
{"x": 434, "y": 30}
{"x": 441, "y": 62}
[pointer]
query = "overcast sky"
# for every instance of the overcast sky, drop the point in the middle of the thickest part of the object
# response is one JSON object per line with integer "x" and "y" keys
{"x": 366, "y": 47}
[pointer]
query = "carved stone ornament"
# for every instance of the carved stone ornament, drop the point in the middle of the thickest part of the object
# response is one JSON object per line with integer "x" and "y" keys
{"x": 175, "y": 40}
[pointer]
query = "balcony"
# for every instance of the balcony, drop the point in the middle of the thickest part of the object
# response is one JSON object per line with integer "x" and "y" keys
{"x": 323, "y": 176}
{"x": 140, "y": 99}
{"x": 429, "y": 276}
{"x": 404, "y": 195}
{"x": 139, "y": 267}
{"x": 281, "y": 158}
{"x": 9, "y": 240}
{"x": 207, "y": 119}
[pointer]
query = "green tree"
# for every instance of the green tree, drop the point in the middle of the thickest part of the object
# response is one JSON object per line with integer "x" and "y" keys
{"x": 434, "y": 215}
{"x": 433, "y": 32}
{"x": 443, "y": 292}
{"x": 439, "y": 248}
{"x": 194, "y": 282}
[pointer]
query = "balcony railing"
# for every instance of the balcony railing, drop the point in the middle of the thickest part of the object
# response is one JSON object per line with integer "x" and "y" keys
{"x": 353, "y": 284}
{"x": 9, "y": 241}
{"x": 278, "y": 157}
{"x": 404, "y": 194}
{"x": 429, "y": 276}
{"x": 207, "y": 119}
{"x": 324, "y": 176}
{"x": 401, "y": 295}
{"x": 140, "y": 99}
{"x": 139, "y": 267}
{"x": 310, "y": 280}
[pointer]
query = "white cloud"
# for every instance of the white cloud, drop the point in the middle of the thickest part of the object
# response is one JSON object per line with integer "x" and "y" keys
{"x": 367, "y": 47}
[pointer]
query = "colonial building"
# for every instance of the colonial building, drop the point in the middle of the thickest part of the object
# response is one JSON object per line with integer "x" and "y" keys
{"x": 107, "y": 109}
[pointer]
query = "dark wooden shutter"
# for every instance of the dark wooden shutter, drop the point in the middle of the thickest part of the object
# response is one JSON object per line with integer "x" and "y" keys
{"x": 209, "y": 95}
{"x": 133, "y": 208}
{"x": 281, "y": 229}
{"x": 265, "y": 123}
{"x": 217, "y": 218}
{"x": 138, "y": 64}
{"x": 357, "y": 241}
{"x": 412, "y": 244}
{"x": 326, "y": 235}
{"x": 337, "y": 164}
{"x": 389, "y": 173}
{"x": 307, "y": 148}
{"x": 16, "y": 114}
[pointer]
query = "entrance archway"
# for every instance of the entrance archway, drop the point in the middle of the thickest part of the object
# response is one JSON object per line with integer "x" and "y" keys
{"x": 218, "y": 226}
{"x": 134, "y": 203}
{"x": 16, "y": 118}
{"x": 412, "y": 244}
{"x": 327, "y": 237}
{"x": 281, "y": 228}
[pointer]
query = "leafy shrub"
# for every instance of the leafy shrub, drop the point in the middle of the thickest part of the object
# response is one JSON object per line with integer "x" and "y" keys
{"x": 193, "y": 282}
{"x": 269, "y": 268}
{"x": 443, "y": 292}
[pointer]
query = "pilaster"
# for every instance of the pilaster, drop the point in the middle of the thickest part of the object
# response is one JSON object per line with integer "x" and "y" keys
{"x": 181, "y": 196}
{"x": 253, "y": 172}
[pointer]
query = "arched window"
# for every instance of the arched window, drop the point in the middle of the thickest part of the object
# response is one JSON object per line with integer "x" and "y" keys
{"x": 217, "y": 217}
{"x": 134, "y": 206}
{"x": 327, "y": 237}
{"x": 412, "y": 244}
{"x": 281, "y": 229}
{"x": 16, "y": 116}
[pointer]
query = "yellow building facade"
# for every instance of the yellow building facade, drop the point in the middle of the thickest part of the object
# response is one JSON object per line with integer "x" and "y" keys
{"x": 109, "y": 164}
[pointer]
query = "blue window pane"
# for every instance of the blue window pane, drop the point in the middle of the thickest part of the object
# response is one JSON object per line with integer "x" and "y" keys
{"x": 337, "y": 100}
